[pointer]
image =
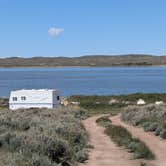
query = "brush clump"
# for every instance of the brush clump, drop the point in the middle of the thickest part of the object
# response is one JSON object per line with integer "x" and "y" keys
{"x": 41, "y": 137}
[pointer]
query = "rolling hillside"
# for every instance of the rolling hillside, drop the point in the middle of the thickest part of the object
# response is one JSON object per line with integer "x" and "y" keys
{"x": 92, "y": 61}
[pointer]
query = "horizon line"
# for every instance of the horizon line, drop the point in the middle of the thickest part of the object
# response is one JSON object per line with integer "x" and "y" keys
{"x": 88, "y": 55}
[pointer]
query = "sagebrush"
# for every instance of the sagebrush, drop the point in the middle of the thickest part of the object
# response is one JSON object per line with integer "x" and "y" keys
{"x": 41, "y": 137}
{"x": 151, "y": 117}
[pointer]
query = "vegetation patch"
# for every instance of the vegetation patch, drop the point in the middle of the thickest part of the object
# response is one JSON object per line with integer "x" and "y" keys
{"x": 103, "y": 121}
{"x": 4, "y": 103}
{"x": 114, "y": 104}
{"x": 40, "y": 137}
{"x": 98, "y": 104}
{"x": 122, "y": 137}
{"x": 151, "y": 117}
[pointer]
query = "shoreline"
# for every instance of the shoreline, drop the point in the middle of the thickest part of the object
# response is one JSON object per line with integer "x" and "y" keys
{"x": 13, "y": 67}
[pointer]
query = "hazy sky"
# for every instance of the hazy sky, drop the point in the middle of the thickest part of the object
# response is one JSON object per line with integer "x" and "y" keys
{"x": 82, "y": 27}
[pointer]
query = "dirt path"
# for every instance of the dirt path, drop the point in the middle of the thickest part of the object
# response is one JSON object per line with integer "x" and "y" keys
{"x": 156, "y": 144}
{"x": 105, "y": 152}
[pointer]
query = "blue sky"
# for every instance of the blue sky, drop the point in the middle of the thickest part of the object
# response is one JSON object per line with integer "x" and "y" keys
{"x": 82, "y": 27}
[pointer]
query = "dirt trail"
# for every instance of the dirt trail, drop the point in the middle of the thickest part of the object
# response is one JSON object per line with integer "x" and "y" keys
{"x": 156, "y": 144}
{"x": 105, "y": 152}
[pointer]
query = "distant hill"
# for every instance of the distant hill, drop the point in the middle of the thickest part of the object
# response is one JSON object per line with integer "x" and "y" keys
{"x": 92, "y": 61}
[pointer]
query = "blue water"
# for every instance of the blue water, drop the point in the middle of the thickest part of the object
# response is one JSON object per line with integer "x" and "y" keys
{"x": 87, "y": 81}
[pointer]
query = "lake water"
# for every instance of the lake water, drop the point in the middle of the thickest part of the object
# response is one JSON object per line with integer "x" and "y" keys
{"x": 86, "y": 81}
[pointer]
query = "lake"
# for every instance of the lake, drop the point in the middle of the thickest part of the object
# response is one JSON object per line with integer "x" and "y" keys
{"x": 85, "y": 81}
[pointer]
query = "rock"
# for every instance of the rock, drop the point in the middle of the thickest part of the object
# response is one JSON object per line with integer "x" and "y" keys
{"x": 113, "y": 101}
{"x": 64, "y": 101}
{"x": 141, "y": 102}
{"x": 159, "y": 102}
{"x": 75, "y": 103}
{"x": 126, "y": 102}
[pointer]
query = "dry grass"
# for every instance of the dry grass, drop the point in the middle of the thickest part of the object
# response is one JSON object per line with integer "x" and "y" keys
{"x": 40, "y": 137}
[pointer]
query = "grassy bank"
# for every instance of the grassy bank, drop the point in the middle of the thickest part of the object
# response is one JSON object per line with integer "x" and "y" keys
{"x": 123, "y": 138}
{"x": 114, "y": 104}
{"x": 151, "y": 118}
{"x": 40, "y": 137}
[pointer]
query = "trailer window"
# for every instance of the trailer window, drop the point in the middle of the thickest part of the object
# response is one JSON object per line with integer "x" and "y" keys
{"x": 14, "y": 98}
{"x": 58, "y": 98}
{"x": 23, "y": 98}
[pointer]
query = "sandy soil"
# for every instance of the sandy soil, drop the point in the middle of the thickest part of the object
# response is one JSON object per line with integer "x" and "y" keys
{"x": 156, "y": 144}
{"x": 105, "y": 152}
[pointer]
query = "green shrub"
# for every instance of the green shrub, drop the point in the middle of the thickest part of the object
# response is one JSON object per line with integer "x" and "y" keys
{"x": 153, "y": 126}
{"x": 81, "y": 114}
{"x": 140, "y": 149}
{"x": 24, "y": 126}
{"x": 157, "y": 131}
{"x": 82, "y": 156}
{"x": 38, "y": 160}
{"x": 150, "y": 126}
{"x": 103, "y": 121}
{"x": 163, "y": 133}
{"x": 10, "y": 141}
{"x": 17, "y": 159}
{"x": 58, "y": 151}
{"x": 118, "y": 134}
{"x": 15, "y": 124}
{"x": 146, "y": 126}
{"x": 142, "y": 163}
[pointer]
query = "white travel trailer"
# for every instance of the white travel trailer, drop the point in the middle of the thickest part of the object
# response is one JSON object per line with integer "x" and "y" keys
{"x": 42, "y": 98}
